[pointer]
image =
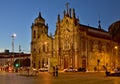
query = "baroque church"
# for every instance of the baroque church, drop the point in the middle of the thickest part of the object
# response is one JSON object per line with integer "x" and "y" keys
{"x": 73, "y": 44}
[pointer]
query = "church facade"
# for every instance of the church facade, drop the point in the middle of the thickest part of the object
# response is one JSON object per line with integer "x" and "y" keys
{"x": 73, "y": 45}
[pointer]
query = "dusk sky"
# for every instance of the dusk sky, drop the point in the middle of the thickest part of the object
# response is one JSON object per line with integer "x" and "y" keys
{"x": 17, "y": 16}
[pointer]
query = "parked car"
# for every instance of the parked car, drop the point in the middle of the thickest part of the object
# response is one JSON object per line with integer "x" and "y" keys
{"x": 43, "y": 69}
{"x": 70, "y": 70}
{"x": 81, "y": 69}
{"x": 115, "y": 73}
{"x": 117, "y": 70}
{"x": 34, "y": 69}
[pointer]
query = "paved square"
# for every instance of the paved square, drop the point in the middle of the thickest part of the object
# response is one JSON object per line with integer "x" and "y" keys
{"x": 63, "y": 78}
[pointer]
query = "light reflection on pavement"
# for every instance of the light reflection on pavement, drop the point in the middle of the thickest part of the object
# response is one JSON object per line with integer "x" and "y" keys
{"x": 63, "y": 78}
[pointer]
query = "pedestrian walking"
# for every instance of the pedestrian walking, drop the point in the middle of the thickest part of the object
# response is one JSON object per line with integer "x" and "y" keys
{"x": 56, "y": 70}
{"x": 28, "y": 71}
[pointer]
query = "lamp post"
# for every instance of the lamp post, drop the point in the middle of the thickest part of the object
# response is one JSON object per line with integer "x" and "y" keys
{"x": 116, "y": 47}
{"x": 98, "y": 63}
{"x": 19, "y": 55}
{"x": 13, "y": 36}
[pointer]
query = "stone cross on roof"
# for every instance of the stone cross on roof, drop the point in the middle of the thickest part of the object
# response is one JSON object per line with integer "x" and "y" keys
{"x": 67, "y": 6}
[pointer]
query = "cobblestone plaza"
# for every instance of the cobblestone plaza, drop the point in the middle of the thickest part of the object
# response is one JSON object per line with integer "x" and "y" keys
{"x": 63, "y": 78}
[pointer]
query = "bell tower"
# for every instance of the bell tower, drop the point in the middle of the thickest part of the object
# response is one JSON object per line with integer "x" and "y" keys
{"x": 39, "y": 27}
{"x": 38, "y": 30}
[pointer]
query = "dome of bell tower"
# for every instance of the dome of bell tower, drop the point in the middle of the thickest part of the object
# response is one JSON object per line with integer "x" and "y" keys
{"x": 114, "y": 30}
{"x": 40, "y": 19}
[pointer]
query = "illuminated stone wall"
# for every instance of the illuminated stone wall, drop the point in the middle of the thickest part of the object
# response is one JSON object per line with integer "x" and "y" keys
{"x": 73, "y": 45}
{"x": 41, "y": 44}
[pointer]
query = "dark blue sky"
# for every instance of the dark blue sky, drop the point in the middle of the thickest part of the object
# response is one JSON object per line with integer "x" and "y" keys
{"x": 16, "y": 16}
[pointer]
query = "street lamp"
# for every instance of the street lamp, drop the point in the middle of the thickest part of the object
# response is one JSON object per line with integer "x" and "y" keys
{"x": 98, "y": 63}
{"x": 19, "y": 55}
{"x": 116, "y": 47}
{"x": 13, "y": 36}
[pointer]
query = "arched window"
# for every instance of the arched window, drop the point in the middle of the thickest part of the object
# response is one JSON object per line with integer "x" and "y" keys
{"x": 34, "y": 34}
{"x": 45, "y": 47}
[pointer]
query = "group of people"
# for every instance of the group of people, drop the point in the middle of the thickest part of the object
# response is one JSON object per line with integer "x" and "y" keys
{"x": 55, "y": 71}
